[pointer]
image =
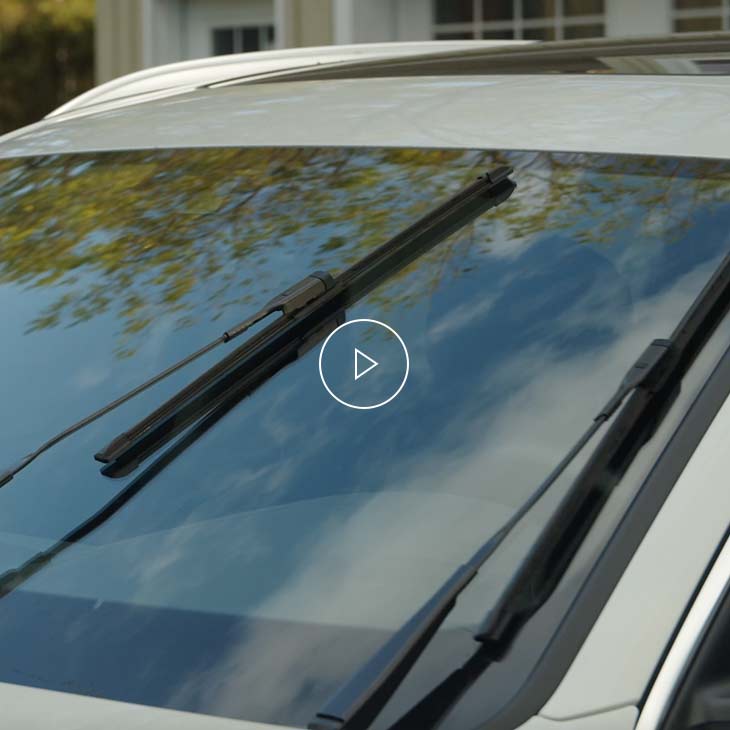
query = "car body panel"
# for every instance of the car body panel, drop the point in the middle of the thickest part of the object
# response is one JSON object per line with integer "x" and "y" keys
{"x": 619, "y": 718}
{"x": 621, "y": 114}
{"x": 29, "y": 708}
{"x": 186, "y": 75}
{"x": 655, "y": 589}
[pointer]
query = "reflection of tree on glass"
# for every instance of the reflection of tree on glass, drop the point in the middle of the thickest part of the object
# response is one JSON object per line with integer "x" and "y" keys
{"x": 284, "y": 529}
{"x": 134, "y": 234}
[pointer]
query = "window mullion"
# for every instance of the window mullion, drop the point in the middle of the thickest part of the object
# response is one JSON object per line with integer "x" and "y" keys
{"x": 558, "y": 20}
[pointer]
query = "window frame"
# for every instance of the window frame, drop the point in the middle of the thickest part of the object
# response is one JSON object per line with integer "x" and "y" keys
{"x": 266, "y": 37}
{"x": 712, "y": 591}
{"x": 721, "y": 11}
{"x": 557, "y": 22}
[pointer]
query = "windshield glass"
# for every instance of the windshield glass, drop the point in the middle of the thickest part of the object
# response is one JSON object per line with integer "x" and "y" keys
{"x": 249, "y": 576}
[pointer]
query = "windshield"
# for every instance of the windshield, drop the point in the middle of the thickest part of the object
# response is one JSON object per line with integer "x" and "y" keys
{"x": 251, "y": 574}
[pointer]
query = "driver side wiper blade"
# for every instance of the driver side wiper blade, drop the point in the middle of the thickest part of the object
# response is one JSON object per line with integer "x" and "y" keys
{"x": 288, "y": 301}
{"x": 299, "y": 327}
{"x": 284, "y": 340}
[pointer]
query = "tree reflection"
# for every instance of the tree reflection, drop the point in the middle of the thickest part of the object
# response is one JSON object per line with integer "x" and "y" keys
{"x": 142, "y": 234}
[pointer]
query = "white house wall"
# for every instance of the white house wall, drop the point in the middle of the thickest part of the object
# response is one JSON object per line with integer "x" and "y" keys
{"x": 638, "y": 17}
{"x": 163, "y": 27}
{"x": 413, "y": 20}
{"x": 373, "y": 21}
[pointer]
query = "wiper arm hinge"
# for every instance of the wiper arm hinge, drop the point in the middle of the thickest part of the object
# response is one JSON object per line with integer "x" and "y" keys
{"x": 653, "y": 382}
{"x": 308, "y": 306}
{"x": 649, "y": 372}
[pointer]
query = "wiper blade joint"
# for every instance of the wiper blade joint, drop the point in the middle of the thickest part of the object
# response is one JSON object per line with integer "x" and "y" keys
{"x": 363, "y": 696}
{"x": 647, "y": 392}
{"x": 293, "y": 298}
{"x": 284, "y": 340}
{"x": 488, "y": 191}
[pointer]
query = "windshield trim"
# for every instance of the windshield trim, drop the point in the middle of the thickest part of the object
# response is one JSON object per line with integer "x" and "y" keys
{"x": 578, "y": 620}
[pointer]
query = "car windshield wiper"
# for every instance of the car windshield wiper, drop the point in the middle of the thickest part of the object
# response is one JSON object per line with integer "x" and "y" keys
{"x": 285, "y": 339}
{"x": 310, "y": 310}
{"x": 288, "y": 301}
{"x": 648, "y": 389}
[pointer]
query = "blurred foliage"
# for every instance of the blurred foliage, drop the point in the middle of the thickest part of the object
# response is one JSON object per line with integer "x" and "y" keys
{"x": 194, "y": 234}
{"x": 46, "y": 56}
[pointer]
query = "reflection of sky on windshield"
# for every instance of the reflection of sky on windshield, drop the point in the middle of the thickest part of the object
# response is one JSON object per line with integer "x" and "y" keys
{"x": 346, "y": 540}
{"x": 294, "y": 509}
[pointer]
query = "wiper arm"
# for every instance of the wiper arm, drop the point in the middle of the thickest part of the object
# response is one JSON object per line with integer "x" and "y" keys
{"x": 649, "y": 389}
{"x": 361, "y": 699}
{"x": 488, "y": 191}
{"x": 288, "y": 301}
{"x": 279, "y": 344}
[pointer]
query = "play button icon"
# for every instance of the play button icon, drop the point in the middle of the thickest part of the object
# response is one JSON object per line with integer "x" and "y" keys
{"x": 378, "y": 352}
{"x": 369, "y": 364}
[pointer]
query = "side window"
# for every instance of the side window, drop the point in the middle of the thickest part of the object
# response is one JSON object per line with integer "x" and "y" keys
{"x": 702, "y": 701}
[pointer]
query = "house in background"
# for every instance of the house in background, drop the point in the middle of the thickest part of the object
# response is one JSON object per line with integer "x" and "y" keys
{"x": 136, "y": 34}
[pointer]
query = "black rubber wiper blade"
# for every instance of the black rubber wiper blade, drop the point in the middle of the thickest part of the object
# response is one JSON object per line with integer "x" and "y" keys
{"x": 365, "y": 694}
{"x": 286, "y": 302}
{"x": 659, "y": 374}
{"x": 488, "y": 191}
{"x": 649, "y": 389}
{"x": 281, "y": 342}
{"x": 289, "y": 300}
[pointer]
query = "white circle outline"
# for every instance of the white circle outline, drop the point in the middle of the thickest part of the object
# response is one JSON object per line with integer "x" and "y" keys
{"x": 400, "y": 387}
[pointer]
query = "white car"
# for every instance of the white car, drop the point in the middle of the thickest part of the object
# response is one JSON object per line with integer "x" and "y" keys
{"x": 466, "y": 463}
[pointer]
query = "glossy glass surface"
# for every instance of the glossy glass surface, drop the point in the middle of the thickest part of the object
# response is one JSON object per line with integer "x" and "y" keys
{"x": 251, "y": 574}
{"x": 583, "y": 7}
{"x": 453, "y": 11}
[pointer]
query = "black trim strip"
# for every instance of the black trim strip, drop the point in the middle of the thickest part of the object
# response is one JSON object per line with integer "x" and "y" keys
{"x": 579, "y": 619}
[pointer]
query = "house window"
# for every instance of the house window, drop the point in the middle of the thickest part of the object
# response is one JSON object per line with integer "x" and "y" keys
{"x": 528, "y": 19}
{"x": 242, "y": 39}
{"x": 692, "y": 16}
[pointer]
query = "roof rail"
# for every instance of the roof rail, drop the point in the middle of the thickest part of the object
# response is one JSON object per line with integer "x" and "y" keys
{"x": 420, "y": 58}
{"x": 176, "y": 78}
{"x": 682, "y": 53}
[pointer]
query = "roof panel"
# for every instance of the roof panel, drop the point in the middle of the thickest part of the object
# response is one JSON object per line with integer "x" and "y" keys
{"x": 632, "y": 114}
{"x": 187, "y": 75}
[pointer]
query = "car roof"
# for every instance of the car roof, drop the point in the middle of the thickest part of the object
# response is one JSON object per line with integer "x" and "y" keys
{"x": 471, "y": 95}
{"x": 671, "y": 54}
{"x": 175, "y": 78}
{"x": 614, "y": 114}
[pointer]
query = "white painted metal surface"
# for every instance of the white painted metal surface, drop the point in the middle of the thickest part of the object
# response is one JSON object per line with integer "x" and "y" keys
{"x": 687, "y": 642}
{"x": 616, "y": 663}
{"x": 621, "y": 718}
{"x": 31, "y": 708}
{"x": 635, "y": 114}
{"x": 177, "y": 78}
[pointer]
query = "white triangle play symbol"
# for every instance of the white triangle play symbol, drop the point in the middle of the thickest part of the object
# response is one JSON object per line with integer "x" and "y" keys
{"x": 358, "y": 372}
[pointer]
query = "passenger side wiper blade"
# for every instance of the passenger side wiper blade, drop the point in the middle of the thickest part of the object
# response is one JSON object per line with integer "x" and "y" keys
{"x": 301, "y": 325}
{"x": 360, "y": 700}
{"x": 651, "y": 385}
{"x": 279, "y": 344}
